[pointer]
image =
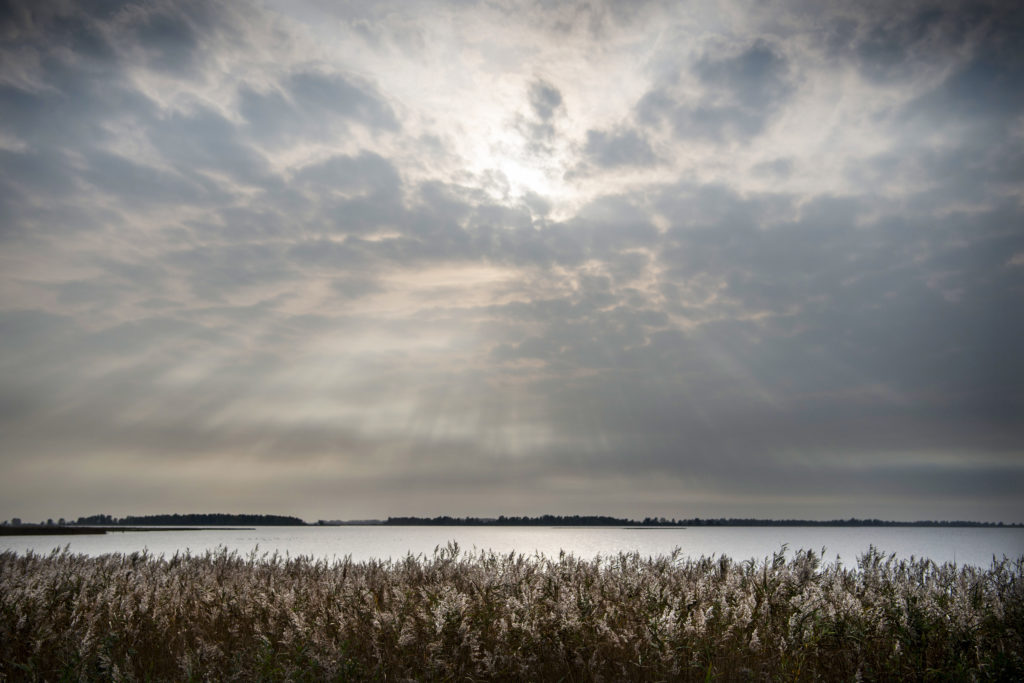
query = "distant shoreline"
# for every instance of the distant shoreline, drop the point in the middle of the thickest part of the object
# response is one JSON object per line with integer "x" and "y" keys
{"x": 659, "y": 523}
{"x": 654, "y": 527}
{"x": 98, "y": 524}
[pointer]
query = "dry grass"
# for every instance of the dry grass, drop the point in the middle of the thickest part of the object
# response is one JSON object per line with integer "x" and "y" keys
{"x": 221, "y": 616}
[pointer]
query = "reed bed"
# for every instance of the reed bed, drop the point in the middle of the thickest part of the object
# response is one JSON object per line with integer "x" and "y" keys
{"x": 480, "y": 616}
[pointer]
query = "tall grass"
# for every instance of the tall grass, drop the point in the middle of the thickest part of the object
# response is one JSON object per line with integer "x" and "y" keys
{"x": 453, "y": 616}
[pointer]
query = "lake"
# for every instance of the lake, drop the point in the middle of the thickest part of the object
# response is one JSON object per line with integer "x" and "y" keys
{"x": 974, "y": 546}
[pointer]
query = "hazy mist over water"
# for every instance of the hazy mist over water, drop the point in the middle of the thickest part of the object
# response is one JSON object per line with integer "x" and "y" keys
{"x": 964, "y": 546}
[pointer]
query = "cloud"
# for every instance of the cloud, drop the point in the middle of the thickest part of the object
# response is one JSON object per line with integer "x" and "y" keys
{"x": 545, "y": 100}
{"x": 168, "y": 38}
{"x": 545, "y": 104}
{"x": 367, "y": 173}
{"x": 771, "y": 259}
{"x": 775, "y": 168}
{"x": 740, "y": 93}
{"x": 331, "y": 94}
{"x": 136, "y": 183}
{"x": 620, "y": 148}
{"x": 308, "y": 104}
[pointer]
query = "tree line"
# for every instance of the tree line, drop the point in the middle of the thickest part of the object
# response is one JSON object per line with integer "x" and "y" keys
{"x": 593, "y": 520}
{"x": 208, "y": 519}
{"x": 219, "y": 519}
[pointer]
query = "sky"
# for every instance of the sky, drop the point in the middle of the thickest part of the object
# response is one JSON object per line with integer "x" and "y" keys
{"x": 350, "y": 260}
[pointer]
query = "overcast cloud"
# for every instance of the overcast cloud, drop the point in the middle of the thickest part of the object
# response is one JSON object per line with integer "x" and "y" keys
{"x": 350, "y": 260}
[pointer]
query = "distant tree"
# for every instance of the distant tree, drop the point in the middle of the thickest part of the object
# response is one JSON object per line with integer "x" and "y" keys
{"x": 97, "y": 520}
{"x": 213, "y": 519}
{"x": 15, "y": 521}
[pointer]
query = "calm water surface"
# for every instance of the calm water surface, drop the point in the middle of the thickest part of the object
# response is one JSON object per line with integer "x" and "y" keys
{"x": 963, "y": 546}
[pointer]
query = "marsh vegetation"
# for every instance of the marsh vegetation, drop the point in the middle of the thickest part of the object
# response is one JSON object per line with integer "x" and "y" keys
{"x": 483, "y": 616}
